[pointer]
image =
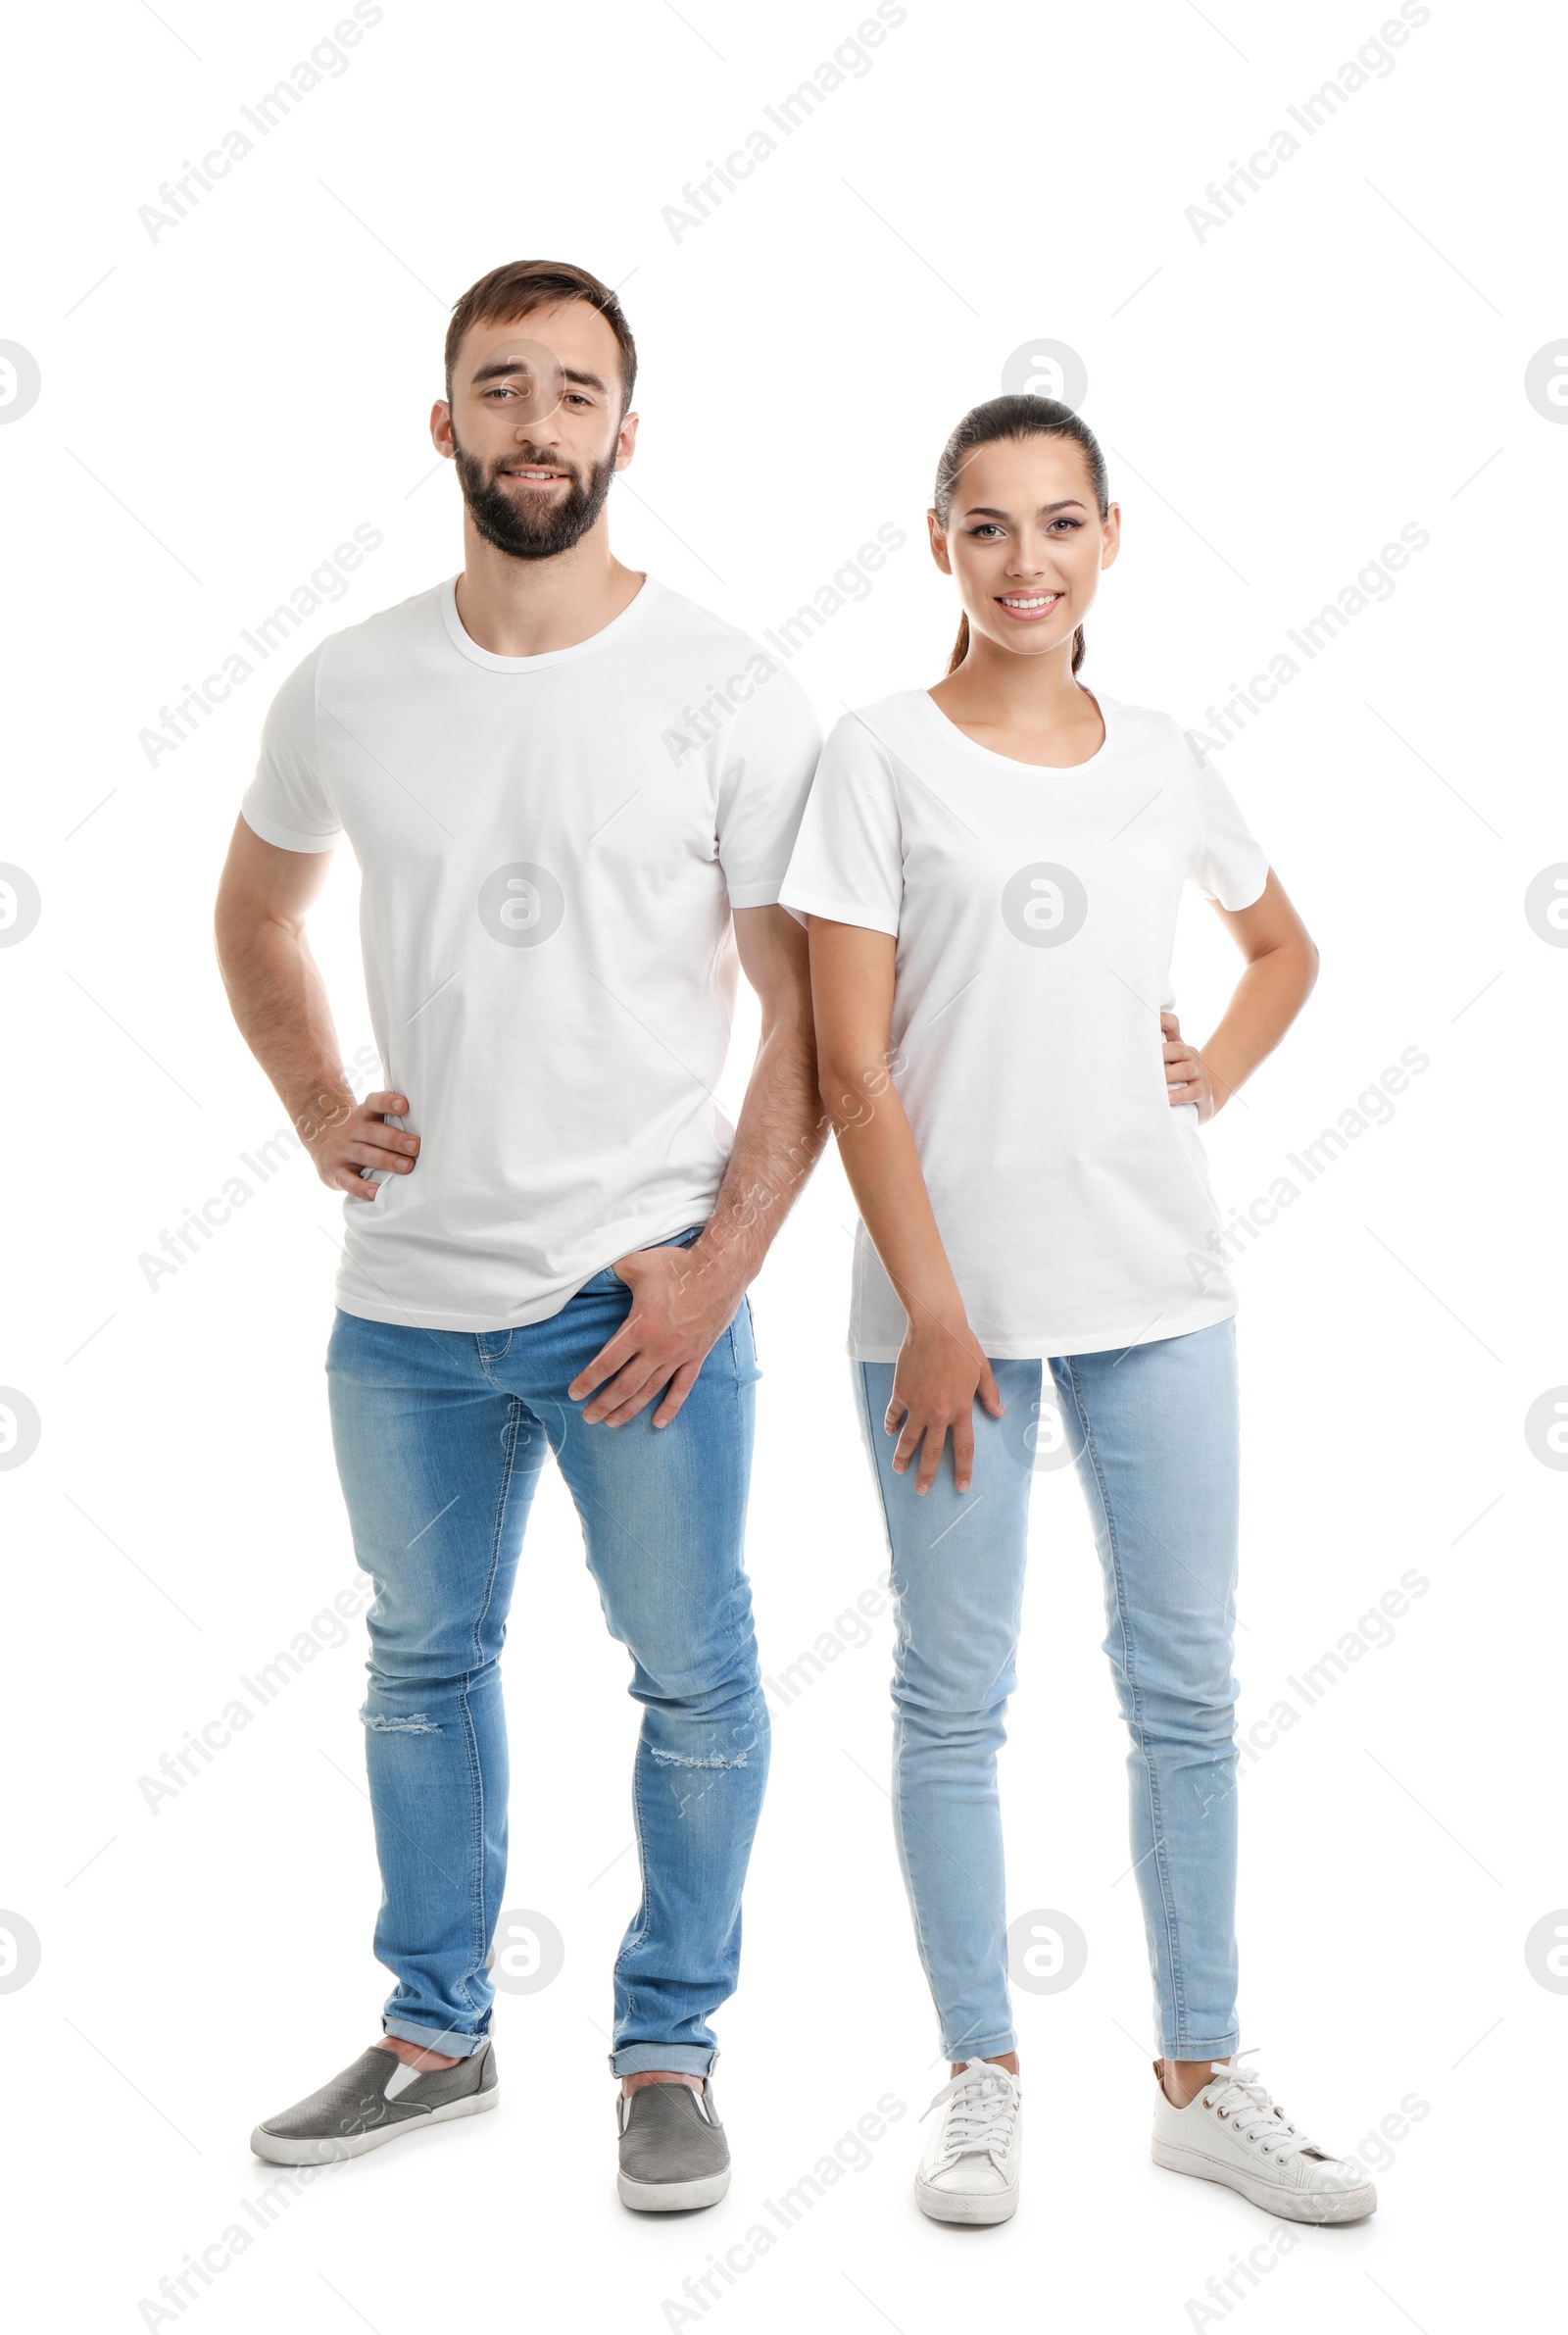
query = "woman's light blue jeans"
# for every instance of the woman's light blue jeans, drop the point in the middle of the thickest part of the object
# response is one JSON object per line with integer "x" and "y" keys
{"x": 1152, "y": 1430}
{"x": 441, "y": 1436}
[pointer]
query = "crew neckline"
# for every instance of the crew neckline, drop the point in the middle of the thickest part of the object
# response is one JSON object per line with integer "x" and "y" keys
{"x": 468, "y": 647}
{"x": 1008, "y": 762}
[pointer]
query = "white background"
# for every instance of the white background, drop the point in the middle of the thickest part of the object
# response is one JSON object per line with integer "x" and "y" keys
{"x": 220, "y": 407}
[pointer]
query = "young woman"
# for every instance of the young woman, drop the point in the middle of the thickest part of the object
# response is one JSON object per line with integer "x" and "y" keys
{"x": 991, "y": 870}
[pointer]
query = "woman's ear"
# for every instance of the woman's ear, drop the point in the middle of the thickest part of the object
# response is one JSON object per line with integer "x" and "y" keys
{"x": 939, "y": 542}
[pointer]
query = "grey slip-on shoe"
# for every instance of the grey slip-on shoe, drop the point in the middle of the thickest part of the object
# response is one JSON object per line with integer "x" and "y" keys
{"x": 673, "y": 2154}
{"x": 378, "y": 2099}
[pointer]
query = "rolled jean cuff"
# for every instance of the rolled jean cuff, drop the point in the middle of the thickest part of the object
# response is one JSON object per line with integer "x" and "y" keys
{"x": 676, "y": 2059}
{"x": 456, "y": 2045}
{"x": 1187, "y": 2049}
{"x": 994, "y": 2048}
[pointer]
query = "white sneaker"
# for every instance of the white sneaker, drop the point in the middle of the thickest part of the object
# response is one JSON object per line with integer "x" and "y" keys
{"x": 969, "y": 2171}
{"x": 1231, "y": 2132}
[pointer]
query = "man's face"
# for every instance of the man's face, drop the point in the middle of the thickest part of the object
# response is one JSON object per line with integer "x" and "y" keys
{"x": 534, "y": 426}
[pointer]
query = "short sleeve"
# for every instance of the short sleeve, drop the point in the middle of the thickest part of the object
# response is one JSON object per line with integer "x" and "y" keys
{"x": 847, "y": 862}
{"x": 1233, "y": 866}
{"x": 763, "y": 781}
{"x": 286, "y": 803}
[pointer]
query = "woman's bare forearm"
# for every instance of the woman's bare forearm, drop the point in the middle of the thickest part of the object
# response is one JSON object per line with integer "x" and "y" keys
{"x": 1271, "y": 992}
{"x": 877, "y": 1147}
{"x": 853, "y": 971}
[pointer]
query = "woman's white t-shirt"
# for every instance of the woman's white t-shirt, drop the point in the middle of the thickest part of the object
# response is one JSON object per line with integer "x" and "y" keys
{"x": 1034, "y": 912}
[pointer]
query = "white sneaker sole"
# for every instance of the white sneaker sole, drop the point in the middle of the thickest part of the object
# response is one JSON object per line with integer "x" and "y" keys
{"x": 672, "y": 2197}
{"x": 273, "y": 2148}
{"x": 965, "y": 2205}
{"x": 1318, "y": 2206}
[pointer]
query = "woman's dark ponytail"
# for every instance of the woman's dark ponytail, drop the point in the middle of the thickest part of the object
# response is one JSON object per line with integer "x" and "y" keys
{"x": 1016, "y": 417}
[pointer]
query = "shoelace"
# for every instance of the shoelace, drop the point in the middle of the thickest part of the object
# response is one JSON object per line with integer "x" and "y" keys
{"x": 1240, "y": 2096}
{"x": 982, "y": 2103}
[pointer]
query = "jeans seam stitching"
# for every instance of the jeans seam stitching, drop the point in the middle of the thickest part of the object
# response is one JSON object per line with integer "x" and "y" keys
{"x": 515, "y": 1409}
{"x": 644, "y": 1756}
{"x": 637, "y": 1930}
{"x": 1135, "y": 1725}
{"x": 900, "y": 1836}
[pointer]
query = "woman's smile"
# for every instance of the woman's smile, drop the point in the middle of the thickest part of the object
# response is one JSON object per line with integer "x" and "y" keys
{"x": 1027, "y": 607}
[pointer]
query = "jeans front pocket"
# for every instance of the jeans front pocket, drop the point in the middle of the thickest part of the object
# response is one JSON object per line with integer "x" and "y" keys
{"x": 603, "y": 1284}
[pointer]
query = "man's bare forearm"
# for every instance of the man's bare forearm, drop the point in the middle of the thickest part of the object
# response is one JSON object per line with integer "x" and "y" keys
{"x": 279, "y": 1000}
{"x": 778, "y": 1141}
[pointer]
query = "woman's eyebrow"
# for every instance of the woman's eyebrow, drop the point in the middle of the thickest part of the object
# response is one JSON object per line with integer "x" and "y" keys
{"x": 986, "y": 511}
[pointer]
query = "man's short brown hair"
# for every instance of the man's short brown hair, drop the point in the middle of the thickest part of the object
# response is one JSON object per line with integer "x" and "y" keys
{"x": 522, "y": 285}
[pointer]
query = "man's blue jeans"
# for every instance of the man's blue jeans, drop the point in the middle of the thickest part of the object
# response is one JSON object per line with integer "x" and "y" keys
{"x": 440, "y": 1438}
{"x": 1152, "y": 1432}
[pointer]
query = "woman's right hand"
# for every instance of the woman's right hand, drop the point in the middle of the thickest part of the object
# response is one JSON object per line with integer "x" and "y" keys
{"x": 940, "y": 1372}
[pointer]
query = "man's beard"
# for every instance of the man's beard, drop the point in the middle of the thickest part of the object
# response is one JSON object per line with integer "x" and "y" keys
{"x": 532, "y": 528}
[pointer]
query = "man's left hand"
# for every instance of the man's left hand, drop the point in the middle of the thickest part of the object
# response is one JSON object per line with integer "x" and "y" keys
{"x": 681, "y": 1303}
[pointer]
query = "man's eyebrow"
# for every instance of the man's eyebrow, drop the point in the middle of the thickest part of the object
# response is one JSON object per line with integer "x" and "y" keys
{"x": 985, "y": 511}
{"x": 500, "y": 368}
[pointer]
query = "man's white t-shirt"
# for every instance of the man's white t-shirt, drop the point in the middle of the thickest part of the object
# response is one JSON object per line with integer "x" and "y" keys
{"x": 549, "y": 849}
{"x": 1034, "y": 912}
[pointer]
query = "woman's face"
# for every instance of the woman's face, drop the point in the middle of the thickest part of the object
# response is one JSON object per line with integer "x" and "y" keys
{"x": 1025, "y": 542}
